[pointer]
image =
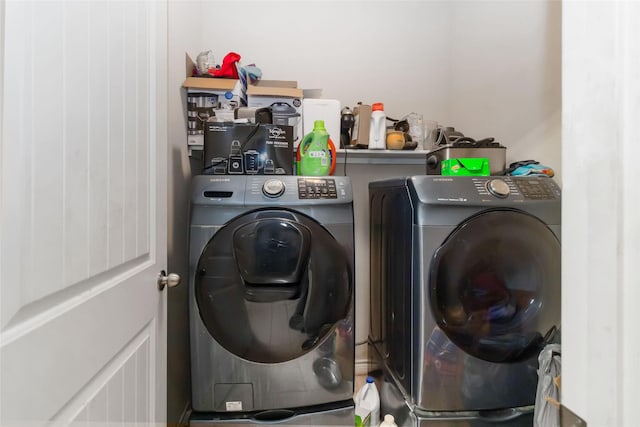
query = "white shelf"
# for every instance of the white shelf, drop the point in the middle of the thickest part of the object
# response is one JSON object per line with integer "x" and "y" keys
{"x": 365, "y": 156}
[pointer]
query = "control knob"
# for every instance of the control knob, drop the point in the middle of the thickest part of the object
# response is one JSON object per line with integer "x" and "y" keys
{"x": 273, "y": 188}
{"x": 498, "y": 188}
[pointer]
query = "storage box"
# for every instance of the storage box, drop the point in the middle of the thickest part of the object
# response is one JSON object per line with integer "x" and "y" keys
{"x": 285, "y": 101}
{"x": 200, "y": 107}
{"x": 249, "y": 149}
{"x": 327, "y": 110}
{"x": 361, "y": 126}
{"x": 208, "y": 97}
{"x": 466, "y": 167}
{"x": 496, "y": 153}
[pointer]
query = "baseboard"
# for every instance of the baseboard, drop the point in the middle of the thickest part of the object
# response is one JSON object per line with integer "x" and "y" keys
{"x": 365, "y": 366}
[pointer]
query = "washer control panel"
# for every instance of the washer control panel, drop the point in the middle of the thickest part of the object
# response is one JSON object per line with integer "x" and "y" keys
{"x": 273, "y": 188}
{"x": 317, "y": 188}
{"x": 498, "y": 188}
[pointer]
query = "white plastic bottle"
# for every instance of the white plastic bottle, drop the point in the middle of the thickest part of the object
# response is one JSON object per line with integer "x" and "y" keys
{"x": 378, "y": 129}
{"x": 369, "y": 399}
{"x": 388, "y": 421}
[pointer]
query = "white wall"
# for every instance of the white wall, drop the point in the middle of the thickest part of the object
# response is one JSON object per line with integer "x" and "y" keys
{"x": 601, "y": 230}
{"x": 184, "y": 34}
{"x": 505, "y": 75}
{"x": 489, "y": 68}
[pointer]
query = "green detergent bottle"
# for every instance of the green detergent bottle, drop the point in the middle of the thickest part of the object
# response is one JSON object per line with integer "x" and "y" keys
{"x": 315, "y": 158}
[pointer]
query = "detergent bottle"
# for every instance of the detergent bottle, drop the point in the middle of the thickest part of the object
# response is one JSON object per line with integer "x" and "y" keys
{"x": 314, "y": 153}
{"x": 378, "y": 129}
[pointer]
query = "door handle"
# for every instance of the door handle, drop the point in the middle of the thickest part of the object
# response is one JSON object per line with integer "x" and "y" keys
{"x": 164, "y": 279}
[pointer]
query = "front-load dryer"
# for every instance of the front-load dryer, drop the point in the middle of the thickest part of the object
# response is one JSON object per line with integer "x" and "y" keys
{"x": 465, "y": 292}
{"x": 271, "y": 295}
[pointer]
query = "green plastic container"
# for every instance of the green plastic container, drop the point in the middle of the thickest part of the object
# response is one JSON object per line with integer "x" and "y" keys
{"x": 466, "y": 167}
{"x": 315, "y": 157}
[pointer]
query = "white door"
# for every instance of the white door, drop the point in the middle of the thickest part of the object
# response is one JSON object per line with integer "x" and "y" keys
{"x": 83, "y": 212}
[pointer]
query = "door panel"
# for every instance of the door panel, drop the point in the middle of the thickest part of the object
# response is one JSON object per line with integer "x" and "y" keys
{"x": 83, "y": 208}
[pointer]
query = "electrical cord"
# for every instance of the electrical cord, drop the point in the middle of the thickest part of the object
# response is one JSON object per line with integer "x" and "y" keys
{"x": 346, "y": 153}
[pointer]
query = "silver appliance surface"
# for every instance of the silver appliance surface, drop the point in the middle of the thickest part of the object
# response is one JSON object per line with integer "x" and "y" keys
{"x": 496, "y": 154}
{"x": 271, "y": 292}
{"x": 341, "y": 414}
{"x": 465, "y": 287}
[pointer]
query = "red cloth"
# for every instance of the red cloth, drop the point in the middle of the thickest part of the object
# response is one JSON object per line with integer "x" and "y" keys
{"x": 228, "y": 68}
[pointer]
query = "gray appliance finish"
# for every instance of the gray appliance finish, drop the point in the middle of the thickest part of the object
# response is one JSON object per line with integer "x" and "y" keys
{"x": 271, "y": 295}
{"x": 330, "y": 415}
{"x": 465, "y": 291}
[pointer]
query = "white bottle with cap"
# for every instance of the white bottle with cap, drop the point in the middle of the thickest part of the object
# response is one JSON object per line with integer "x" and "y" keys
{"x": 378, "y": 130}
{"x": 388, "y": 421}
{"x": 369, "y": 399}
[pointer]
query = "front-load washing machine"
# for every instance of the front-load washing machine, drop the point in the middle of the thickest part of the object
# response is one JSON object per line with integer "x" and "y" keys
{"x": 465, "y": 292}
{"x": 271, "y": 295}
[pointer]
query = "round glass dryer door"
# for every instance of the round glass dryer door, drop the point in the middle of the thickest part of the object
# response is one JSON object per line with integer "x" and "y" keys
{"x": 271, "y": 284}
{"x": 495, "y": 285}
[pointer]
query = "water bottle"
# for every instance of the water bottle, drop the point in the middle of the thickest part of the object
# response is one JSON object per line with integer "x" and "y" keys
{"x": 378, "y": 130}
{"x": 369, "y": 399}
{"x": 388, "y": 421}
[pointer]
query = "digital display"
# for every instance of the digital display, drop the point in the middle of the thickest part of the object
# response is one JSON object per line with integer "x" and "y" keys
{"x": 317, "y": 188}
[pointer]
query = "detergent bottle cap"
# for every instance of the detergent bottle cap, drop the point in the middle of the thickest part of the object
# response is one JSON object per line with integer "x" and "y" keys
{"x": 388, "y": 421}
{"x": 378, "y": 106}
{"x": 318, "y": 125}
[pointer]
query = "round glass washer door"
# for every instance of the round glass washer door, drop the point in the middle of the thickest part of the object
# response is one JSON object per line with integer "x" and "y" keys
{"x": 271, "y": 284}
{"x": 494, "y": 285}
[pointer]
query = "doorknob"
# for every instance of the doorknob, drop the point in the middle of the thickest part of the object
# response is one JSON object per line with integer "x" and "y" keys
{"x": 172, "y": 279}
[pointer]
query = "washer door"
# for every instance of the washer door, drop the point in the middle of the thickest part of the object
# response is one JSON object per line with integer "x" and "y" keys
{"x": 495, "y": 285}
{"x": 271, "y": 284}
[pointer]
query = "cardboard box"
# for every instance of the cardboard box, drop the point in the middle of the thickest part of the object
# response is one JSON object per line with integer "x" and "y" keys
{"x": 285, "y": 101}
{"x": 208, "y": 97}
{"x": 327, "y": 110}
{"x": 200, "y": 107}
{"x": 361, "y": 126}
{"x": 247, "y": 149}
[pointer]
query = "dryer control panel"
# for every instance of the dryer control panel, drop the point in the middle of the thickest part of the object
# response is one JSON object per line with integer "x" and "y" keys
{"x": 485, "y": 190}
{"x": 527, "y": 188}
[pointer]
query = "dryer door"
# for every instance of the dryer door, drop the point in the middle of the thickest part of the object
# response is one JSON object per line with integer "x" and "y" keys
{"x": 271, "y": 284}
{"x": 495, "y": 285}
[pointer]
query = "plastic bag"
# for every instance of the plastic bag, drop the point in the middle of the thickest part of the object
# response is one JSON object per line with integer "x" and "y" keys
{"x": 547, "y": 407}
{"x": 205, "y": 61}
